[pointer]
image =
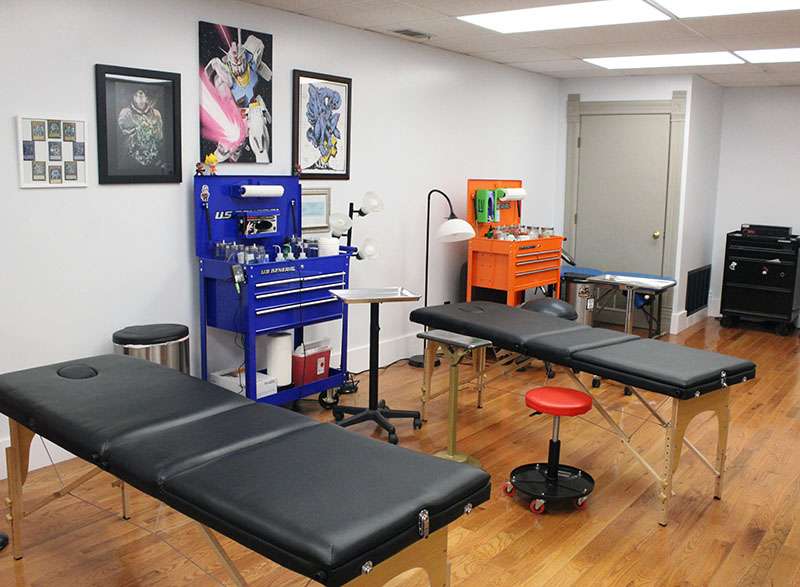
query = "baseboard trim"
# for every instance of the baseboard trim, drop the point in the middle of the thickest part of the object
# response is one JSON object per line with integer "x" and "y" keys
{"x": 680, "y": 321}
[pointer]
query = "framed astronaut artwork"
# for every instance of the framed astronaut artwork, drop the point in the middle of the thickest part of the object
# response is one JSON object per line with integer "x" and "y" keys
{"x": 235, "y": 95}
{"x": 321, "y": 125}
{"x": 138, "y": 125}
{"x": 52, "y": 151}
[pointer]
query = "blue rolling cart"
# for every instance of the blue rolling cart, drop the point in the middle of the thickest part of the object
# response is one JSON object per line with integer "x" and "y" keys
{"x": 250, "y": 292}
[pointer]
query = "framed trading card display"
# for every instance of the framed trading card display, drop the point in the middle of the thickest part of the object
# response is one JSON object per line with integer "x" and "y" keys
{"x": 52, "y": 151}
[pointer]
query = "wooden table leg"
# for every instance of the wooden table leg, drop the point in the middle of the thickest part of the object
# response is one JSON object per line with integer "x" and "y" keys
{"x": 723, "y": 412}
{"x": 17, "y": 458}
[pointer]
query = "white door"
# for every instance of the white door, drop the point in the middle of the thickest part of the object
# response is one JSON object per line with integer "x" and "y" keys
{"x": 622, "y": 192}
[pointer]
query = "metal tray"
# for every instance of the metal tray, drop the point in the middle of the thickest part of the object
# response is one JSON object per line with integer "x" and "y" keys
{"x": 640, "y": 283}
{"x": 375, "y": 295}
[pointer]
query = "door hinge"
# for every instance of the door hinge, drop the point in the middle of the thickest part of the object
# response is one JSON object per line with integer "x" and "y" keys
{"x": 576, "y": 218}
{"x": 579, "y": 142}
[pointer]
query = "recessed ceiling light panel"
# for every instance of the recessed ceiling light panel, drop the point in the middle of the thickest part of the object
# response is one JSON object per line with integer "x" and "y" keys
{"x": 771, "y": 55}
{"x": 567, "y": 16}
{"x": 672, "y": 60}
{"x": 696, "y": 8}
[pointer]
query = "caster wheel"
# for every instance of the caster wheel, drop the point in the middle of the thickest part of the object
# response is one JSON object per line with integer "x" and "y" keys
{"x": 728, "y": 321}
{"x": 382, "y": 405}
{"x": 509, "y": 489}
{"x": 537, "y": 506}
{"x": 550, "y": 374}
{"x": 784, "y": 328}
{"x": 392, "y": 438}
{"x": 338, "y": 416}
{"x": 329, "y": 399}
{"x": 581, "y": 503}
{"x": 417, "y": 424}
{"x": 596, "y": 381}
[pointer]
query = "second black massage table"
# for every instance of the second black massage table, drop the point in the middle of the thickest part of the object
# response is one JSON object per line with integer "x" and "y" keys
{"x": 696, "y": 380}
{"x": 359, "y": 514}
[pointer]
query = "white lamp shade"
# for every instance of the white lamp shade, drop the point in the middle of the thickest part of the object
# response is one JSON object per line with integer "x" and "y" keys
{"x": 372, "y": 203}
{"x": 340, "y": 223}
{"x": 368, "y": 249}
{"x": 454, "y": 230}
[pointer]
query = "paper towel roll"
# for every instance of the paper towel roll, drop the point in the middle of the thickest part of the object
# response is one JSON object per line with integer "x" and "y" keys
{"x": 512, "y": 194}
{"x": 261, "y": 191}
{"x": 279, "y": 357}
{"x": 328, "y": 246}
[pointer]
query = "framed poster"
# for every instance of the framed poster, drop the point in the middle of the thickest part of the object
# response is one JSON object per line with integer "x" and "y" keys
{"x": 52, "y": 152}
{"x": 321, "y": 125}
{"x": 235, "y": 94}
{"x": 138, "y": 125}
{"x": 316, "y": 209}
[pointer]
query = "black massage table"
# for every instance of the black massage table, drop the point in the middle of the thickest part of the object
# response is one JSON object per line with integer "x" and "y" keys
{"x": 696, "y": 380}
{"x": 250, "y": 471}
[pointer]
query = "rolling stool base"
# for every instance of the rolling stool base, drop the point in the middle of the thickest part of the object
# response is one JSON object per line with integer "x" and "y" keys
{"x": 573, "y": 483}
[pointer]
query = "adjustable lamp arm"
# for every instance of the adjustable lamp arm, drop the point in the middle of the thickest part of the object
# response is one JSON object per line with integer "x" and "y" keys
{"x": 428, "y": 234}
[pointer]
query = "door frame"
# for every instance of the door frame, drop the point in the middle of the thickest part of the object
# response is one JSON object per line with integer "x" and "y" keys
{"x": 676, "y": 109}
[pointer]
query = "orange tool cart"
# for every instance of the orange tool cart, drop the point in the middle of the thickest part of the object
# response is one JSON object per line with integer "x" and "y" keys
{"x": 505, "y": 255}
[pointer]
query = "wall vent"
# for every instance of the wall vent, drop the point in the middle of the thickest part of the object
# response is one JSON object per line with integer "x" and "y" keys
{"x": 698, "y": 282}
{"x": 412, "y": 34}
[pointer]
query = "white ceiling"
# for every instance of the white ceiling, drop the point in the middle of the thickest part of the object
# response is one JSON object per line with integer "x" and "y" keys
{"x": 558, "y": 53}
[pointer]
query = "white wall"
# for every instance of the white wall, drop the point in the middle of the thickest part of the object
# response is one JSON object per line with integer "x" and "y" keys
{"x": 81, "y": 263}
{"x": 759, "y": 168}
{"x": 698, "y": 192}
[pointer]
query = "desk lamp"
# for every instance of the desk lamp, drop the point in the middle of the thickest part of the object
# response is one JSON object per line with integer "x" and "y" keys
{"x": 452, "y": 230}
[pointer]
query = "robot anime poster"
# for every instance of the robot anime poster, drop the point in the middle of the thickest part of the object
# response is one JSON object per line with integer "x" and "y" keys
{"x": 235, "y": 94}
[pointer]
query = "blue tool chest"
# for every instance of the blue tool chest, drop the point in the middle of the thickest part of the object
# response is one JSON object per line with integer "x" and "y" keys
{"x": 272, "y": 295}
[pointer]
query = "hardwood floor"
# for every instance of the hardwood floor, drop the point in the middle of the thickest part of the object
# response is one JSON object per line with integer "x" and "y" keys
{"x": 751, "y": 537}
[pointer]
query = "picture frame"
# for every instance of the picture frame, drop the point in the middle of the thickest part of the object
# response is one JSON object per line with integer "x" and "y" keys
{"x": 48, "y": 158}
{"x": 315, "y": 203}
{"x": 138, "y": 125}
{"x": 321, "y": 134}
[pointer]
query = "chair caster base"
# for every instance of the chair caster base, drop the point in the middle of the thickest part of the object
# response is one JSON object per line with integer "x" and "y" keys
{"x": 571, "y": 485}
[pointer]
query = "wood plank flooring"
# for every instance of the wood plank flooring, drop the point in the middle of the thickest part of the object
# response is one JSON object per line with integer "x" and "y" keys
{"x": 751, "y": 537}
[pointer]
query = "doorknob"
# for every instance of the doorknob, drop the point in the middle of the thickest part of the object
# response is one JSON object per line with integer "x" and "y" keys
{"x": 656, "y": 235}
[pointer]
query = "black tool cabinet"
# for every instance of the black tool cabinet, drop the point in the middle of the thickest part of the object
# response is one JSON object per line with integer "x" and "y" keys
{"x": 762, "y": 276}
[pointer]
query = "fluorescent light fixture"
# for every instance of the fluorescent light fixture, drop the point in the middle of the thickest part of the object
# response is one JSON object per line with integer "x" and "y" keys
{"x": 770, "y": 55}
{"x": 672, "y": 60}
{"x": 567, "y": 16}
{"x": 694, "y": 8}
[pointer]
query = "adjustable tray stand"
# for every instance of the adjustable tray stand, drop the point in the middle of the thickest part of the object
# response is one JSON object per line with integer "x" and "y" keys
{"x": 377, "y": 411}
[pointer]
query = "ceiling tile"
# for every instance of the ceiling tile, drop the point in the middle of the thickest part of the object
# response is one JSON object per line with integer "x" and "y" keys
{"x": 572, "y": 65}
{"x": 655, "y": 47}
{"x": 371, "y": 13}
{"x": 762, "y": 41}
{"x": 521, "y": 55}
{"x": 463, "y": 7}
{"x": 481, "y": 42}
{"x": 623, "y": 33}
{"x": 442, "y": 26}
{"x": 747, "y": 24}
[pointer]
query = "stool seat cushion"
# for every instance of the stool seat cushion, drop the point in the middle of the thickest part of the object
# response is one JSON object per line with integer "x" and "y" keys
{"x": 150, "y": 334}
{"x": 558, "y": 401}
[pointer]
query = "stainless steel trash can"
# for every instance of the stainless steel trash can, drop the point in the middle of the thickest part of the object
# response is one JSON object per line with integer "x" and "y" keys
{"x": 581, "y": 295}
{"x": 165, "y": 344}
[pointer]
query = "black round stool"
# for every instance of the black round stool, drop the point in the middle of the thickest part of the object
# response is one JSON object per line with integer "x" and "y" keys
{"x": 552, "y": 482}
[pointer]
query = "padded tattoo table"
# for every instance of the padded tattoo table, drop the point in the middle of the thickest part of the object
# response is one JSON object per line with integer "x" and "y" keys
{"x": 696, "y": 380}
{"x": 250, "y": 471}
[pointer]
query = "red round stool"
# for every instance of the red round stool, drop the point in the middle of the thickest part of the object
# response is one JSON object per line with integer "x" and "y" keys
{"x": 552, "y": 481}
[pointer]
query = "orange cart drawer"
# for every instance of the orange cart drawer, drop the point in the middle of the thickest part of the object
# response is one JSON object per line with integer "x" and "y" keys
{"x": 529, "y": 278}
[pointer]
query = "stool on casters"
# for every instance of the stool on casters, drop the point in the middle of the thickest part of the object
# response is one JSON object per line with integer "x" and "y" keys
{"x": 552, "y": 482}
{"x": 377, "y": 411}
